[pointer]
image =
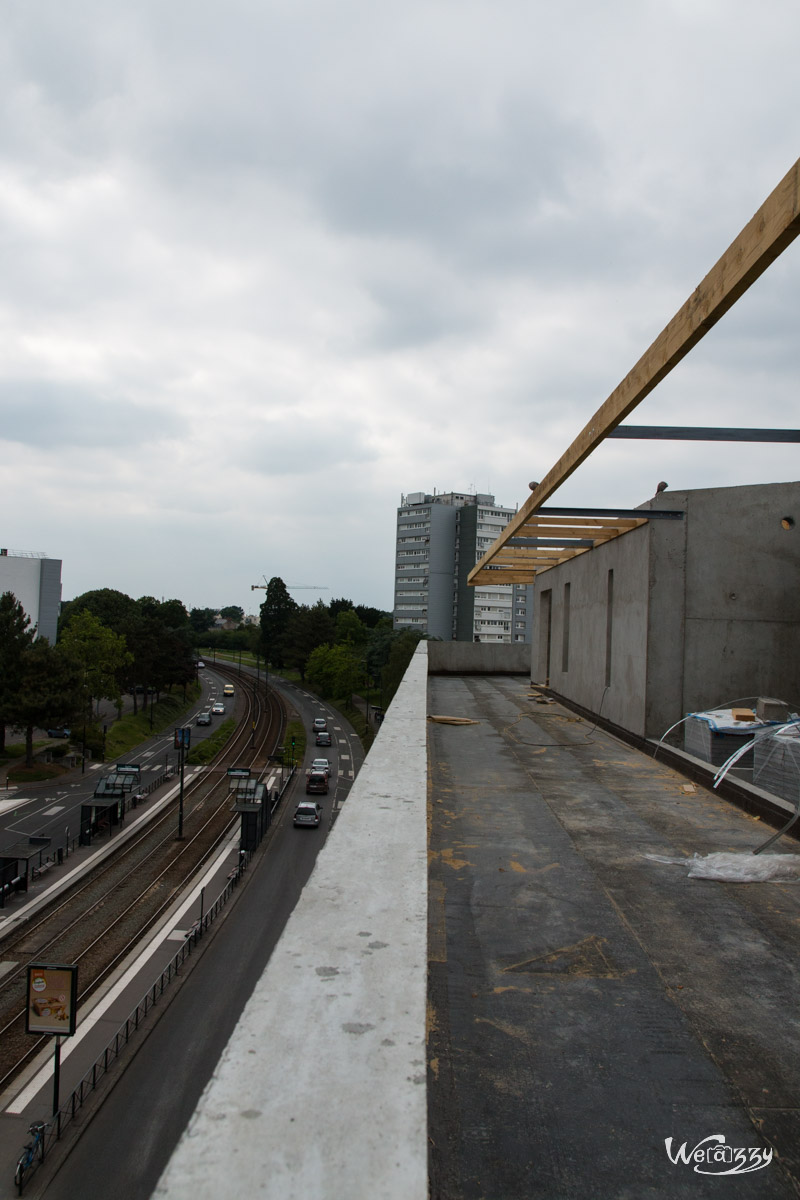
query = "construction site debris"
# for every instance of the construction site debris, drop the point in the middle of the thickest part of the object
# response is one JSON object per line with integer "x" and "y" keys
{"x": 453, "y": 720}
{"x": 730, "y": 867}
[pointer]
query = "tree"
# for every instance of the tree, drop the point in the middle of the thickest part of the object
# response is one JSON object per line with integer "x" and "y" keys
{"x": 98, "y": 653}
{"x": 372, "y": 617}
{"x": 334, "y": 671}
{"x": 232, "y": 613}
{"x": 202, "y": 619}
{"x": 400, "y": 654}
{"x": 173, "y": 614}
{"x": 308, "y": 627}
{"x": 339, "y": 605}
{"x": 49, "y": 691}
{"x": 350, "y": 630}
{"x": 15, "y": 637}
{"x": 111, "y": 607}
{"x": 276, "y": 611}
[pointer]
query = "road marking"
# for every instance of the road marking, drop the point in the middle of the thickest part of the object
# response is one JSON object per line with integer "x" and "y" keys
{"x": 5, "y": 805}
{"x": 51, "y": 812}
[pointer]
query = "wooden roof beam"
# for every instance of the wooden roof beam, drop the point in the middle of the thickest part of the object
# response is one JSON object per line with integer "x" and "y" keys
{"x": 763, "y": 239}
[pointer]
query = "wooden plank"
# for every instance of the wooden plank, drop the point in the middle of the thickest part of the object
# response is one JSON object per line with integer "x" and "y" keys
{"x": 569, "y": 524}
{"x": 763, "y": 239}
{"x": 488, "y": 576}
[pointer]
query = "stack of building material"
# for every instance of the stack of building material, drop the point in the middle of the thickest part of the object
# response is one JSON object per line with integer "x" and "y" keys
{"x": 776, "y": 763}
{"x": 718, "y": 733}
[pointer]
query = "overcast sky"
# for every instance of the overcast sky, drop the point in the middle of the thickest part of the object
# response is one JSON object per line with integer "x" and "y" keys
{"x": 269, "y": 264}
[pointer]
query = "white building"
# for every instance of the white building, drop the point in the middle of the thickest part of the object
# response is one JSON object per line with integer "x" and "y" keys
{"x": 35, "y": 581}
{"x": 439, "y": 539}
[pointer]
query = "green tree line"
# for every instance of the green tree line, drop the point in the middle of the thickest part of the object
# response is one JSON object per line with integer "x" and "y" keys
{"x": 339, "y": 648}
{"x": 107, "y": 644}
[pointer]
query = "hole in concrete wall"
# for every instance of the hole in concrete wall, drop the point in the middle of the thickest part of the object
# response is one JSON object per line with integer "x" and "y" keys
{"x": 787, "y": 522}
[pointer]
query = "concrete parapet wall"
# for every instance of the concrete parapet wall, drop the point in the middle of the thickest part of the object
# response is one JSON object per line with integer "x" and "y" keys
{"x": 321, "y": 1091}
{"x": 477, "y": 658}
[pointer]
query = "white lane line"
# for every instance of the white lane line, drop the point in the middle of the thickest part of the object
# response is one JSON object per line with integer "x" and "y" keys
{"x": 23, "y": 1099}
{"x": 51, "y": 812}
{"x": 14, "y": 802}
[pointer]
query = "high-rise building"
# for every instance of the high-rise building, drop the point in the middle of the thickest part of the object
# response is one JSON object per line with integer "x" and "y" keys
{"x": 35, "y": 581}
{"x": 440, "y": 537}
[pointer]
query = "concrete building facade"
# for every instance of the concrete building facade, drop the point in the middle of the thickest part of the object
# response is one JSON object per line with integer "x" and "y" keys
{"x": 439, "y": 539}
{"x": 678, "y": 616}
{"x": 35, "y": 581}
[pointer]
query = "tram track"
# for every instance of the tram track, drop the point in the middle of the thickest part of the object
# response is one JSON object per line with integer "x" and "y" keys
{"x": 103, "y": 916}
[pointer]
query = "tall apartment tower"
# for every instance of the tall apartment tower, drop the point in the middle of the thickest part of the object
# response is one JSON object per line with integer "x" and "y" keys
{"x": 440, "y": 537}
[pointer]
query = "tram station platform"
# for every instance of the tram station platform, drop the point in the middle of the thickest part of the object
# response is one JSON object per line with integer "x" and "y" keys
{"x": 501, "y": 981}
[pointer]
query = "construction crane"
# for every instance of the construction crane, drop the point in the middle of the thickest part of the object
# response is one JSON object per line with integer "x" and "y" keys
{"x": 297, "y": 587}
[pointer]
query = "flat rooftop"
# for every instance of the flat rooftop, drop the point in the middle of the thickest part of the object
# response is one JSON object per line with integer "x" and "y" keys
{"x": 494, "y": 986}
{"x": 587, "y": 1001}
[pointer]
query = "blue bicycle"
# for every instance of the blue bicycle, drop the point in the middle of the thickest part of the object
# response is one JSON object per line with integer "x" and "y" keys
{"x": 29, "y": 1154}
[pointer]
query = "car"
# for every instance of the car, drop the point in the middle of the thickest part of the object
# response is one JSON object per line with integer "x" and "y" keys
{"x": 60, "y": 732}
{"x": 323, "y": 738}
{"x": 321, "y": 764}
{"x": 319, "y": 724}
{"x": 200, "y": 664}
{"x": 218, "y": 709}
{"x": 317, "y": 781}
{"x": 308, "y": 812}
{"x": 228, "y": 689}
{"x": 203, "y": 718}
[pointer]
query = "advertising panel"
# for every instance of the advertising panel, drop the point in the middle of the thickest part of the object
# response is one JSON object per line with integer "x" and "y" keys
{"x": 52, "y": 1005}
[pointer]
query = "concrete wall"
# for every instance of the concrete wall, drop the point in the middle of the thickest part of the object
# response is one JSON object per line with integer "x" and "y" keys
{"x": 742, "y": 595}
{"x": 334, "y": 1103}
{"x": 618, "y": 693}
{"x": 49, "y": 597}
{"x": 476, "y": 658}
{"x": 440, "y": 578}
{"x": 36, "y": 584}
{"x": 705, "y": 610}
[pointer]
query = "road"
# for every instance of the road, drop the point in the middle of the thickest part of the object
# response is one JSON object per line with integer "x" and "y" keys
{"x": 124, "y": 1148}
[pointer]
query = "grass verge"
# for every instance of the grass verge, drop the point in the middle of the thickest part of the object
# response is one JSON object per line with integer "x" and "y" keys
{"x": 131, "y": 731}
{"x": 204, "y": 751}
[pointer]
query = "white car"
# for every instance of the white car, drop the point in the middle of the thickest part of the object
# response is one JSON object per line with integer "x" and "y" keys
{"x": 308, "y": 812}
{"x": 320, "y": 723}
{"x": 321, "y": 764}
{"x": 218, "y": 709}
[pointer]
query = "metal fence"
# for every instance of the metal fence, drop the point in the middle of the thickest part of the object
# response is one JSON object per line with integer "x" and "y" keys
{"x": 115, "y": 1048}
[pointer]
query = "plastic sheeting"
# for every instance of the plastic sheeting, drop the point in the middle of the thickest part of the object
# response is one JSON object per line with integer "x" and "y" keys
{"x": 730, "y": 867}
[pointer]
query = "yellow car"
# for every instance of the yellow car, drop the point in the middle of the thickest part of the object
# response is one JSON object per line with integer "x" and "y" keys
{"x": 228, "y": 689}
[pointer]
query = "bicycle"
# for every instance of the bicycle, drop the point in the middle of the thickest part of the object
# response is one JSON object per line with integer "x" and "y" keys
{"x": 25, "y": 1162}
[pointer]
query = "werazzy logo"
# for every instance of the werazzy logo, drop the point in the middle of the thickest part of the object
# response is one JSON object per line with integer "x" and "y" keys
{"x": 712, "y": 1156}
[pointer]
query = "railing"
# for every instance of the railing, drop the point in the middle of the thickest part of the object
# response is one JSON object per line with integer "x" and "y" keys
{"x": 103, "y": 1064}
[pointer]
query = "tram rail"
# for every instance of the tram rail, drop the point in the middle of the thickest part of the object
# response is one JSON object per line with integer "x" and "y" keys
{"x": 103, "y": 916}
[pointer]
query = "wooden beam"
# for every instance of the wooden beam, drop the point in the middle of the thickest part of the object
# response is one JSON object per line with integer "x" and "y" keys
{"x": 488, "y": 576}
{"x": 763, "y": 239}
{"x": 565, "y": 525}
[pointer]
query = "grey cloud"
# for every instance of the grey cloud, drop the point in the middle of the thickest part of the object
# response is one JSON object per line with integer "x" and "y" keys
{"x": 44, "y": 414}
{"x": 305, "y": 445}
